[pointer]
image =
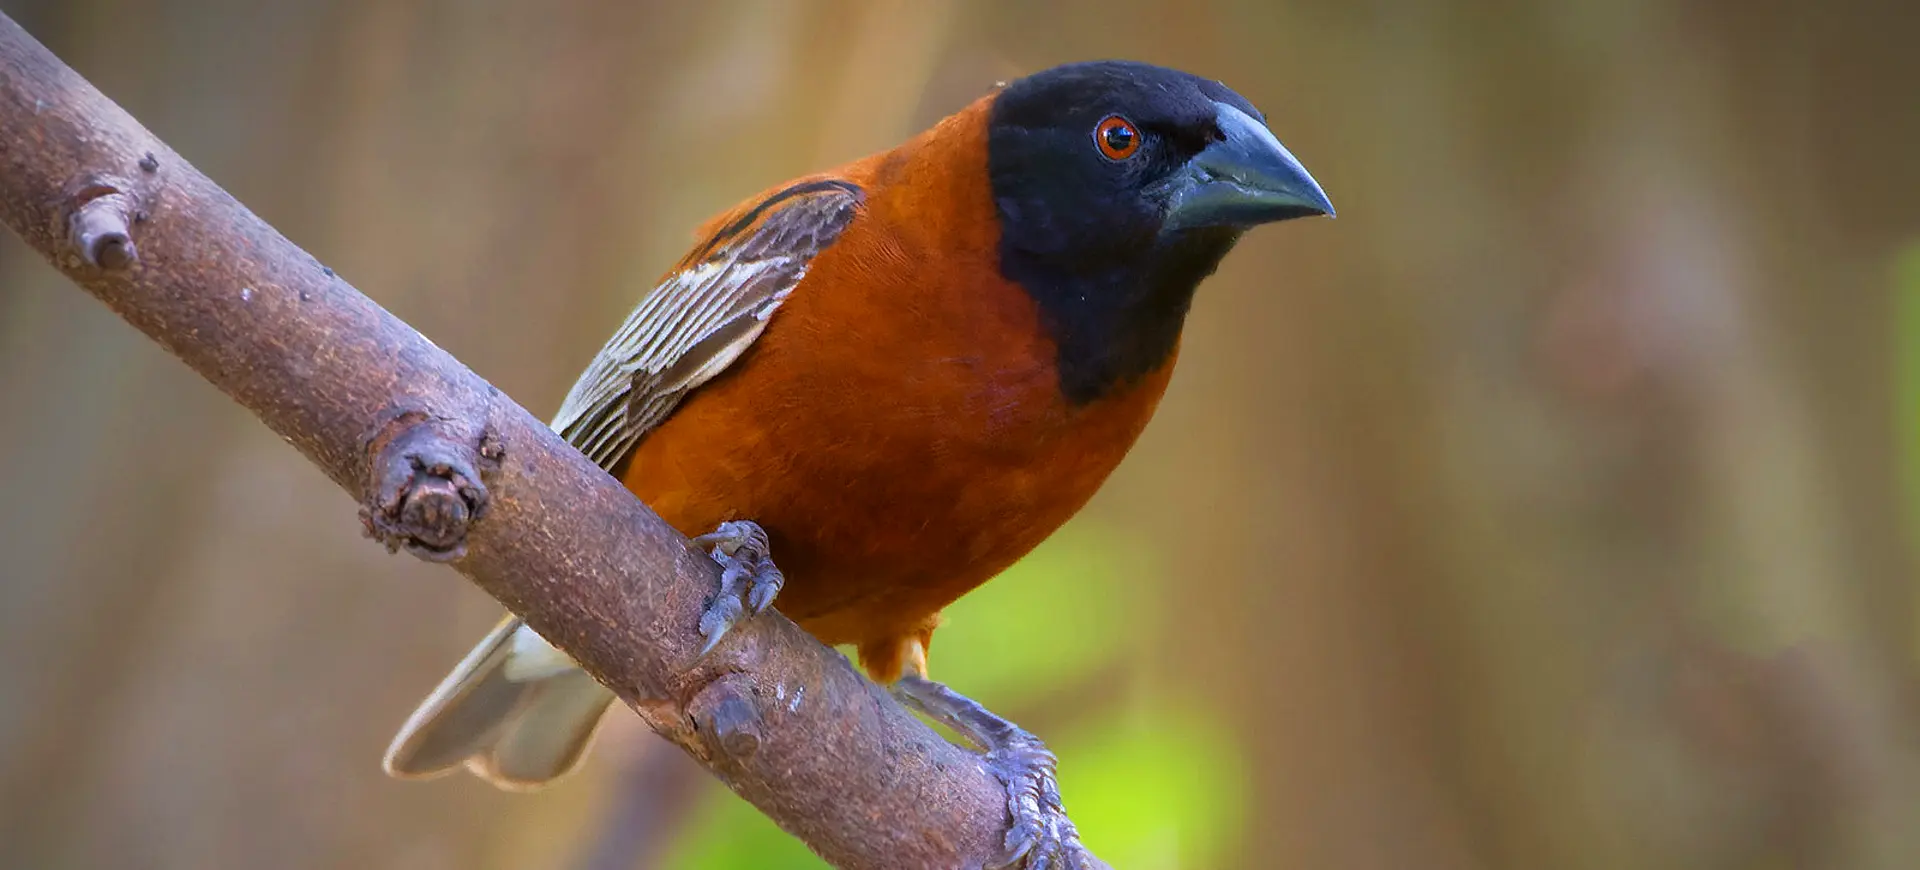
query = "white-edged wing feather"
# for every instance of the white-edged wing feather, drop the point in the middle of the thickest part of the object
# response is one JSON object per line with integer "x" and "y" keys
{"x": 701, "y": 318}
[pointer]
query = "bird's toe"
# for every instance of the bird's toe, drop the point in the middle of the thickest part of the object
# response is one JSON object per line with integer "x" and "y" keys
{"x": 749, "y": 581}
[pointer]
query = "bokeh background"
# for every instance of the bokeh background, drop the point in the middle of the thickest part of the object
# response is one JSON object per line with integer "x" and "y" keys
{"x": 1554, "y": 507}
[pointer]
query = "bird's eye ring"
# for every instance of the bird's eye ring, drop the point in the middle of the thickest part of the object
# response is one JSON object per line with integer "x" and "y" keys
{"x": 1116, "y": 137}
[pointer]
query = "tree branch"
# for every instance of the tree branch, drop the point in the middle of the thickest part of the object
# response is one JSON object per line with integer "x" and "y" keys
{"x": 450, "y": 469}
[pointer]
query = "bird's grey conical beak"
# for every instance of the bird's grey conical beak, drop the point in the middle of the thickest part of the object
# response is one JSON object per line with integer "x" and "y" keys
{"x": 1244, "y": 179}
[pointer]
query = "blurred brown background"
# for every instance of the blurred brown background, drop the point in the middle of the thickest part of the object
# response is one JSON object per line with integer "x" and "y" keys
{"x": 1546, "y": 510}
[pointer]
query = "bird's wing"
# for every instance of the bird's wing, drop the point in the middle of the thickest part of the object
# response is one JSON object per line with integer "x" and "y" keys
{"x": 702, "y": 317}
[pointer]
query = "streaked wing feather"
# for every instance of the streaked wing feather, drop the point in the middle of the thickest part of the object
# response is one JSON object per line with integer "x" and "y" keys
{"x": 701, "y": 318}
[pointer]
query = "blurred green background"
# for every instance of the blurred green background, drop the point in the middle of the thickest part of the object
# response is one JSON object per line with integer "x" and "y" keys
{"x": 1554, "y": 507}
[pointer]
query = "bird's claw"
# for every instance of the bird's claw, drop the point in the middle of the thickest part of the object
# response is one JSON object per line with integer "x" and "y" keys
{"x": 1039, "y": 836}
{"x": 749, "y": 581}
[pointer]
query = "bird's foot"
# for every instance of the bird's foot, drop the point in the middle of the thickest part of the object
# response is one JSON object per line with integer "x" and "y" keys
{"x": 1040, "y": 836}
{"x": 748, "y": 578}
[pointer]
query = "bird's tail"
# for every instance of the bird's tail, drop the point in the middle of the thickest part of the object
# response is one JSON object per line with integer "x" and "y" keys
{"x": 515, "y": 711}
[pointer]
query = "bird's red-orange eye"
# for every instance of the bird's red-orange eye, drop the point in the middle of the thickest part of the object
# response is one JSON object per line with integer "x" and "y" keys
{"x": 1117, "y": 138}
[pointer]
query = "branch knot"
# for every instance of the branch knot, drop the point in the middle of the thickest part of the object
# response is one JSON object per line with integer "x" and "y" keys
{"x": 425, "y": 485}
{"x": 726, "y": 713}
{"x": 99, "y": 214}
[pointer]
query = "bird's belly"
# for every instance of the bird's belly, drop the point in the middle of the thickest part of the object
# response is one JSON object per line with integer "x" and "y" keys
{"x": 908, "y": 532}
{"x": 882, "y": 509}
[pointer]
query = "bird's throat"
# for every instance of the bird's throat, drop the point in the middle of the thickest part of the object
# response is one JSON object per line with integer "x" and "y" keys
{"x": 1117, "y": 320}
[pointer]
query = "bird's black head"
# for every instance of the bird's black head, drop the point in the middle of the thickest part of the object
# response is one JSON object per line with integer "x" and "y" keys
{"x": 1119, "y": 187}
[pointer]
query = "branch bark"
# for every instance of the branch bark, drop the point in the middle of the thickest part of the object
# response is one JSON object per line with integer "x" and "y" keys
{"x": 450, "y": 469}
